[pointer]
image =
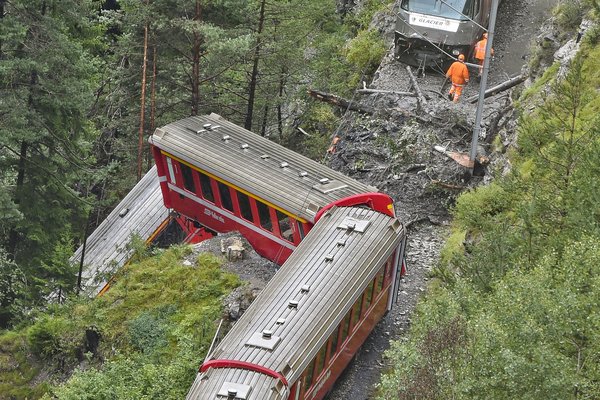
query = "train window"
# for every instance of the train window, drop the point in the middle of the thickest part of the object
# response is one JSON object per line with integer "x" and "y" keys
{"x": 389, "y": 268}
{"x": 171, "y": 168}
{"x": 379, "y": 282}
{"x": 264, "y": 215}
{"x": 206, "y": 188}
{"x": 284, "y": 226}
{"x": 345, "y": 326}
{"x": 225, "y": 196}
{"x": 368, "y": 297}
{"x": 308, "y": 374}
{"x": 475, "y": 9}
{"x": 188, "y": 178}
{"x": 245, "y": 209}
{"x": 334, "y": 341}
{"x": 321, "y": 360}
{"x": 446, "y": 9}
{"x": 356, "y": 311}
{"x": 301, "y": 230}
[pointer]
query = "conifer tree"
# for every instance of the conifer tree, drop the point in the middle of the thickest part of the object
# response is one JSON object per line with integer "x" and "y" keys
{"x": 46, "y": 90}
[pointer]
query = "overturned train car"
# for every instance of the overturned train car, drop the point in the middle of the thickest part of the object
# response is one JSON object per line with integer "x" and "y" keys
{"x": 429, "y": 32}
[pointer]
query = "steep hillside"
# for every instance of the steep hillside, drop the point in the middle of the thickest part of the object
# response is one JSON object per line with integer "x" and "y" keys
{"x": 144, "y": 337}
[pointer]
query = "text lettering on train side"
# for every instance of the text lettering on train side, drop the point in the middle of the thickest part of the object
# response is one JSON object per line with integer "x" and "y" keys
{"x": 428, "y": 21}
{"x": 214, "y": 215}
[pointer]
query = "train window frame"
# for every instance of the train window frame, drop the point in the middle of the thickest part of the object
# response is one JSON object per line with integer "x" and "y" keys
{"x": 334, "y": 342}
{"x": 206, "y": 189}
{"x": 172, "y": 169}
{"x": 263, "y": 211}
{"x": 389, "y": 267}
{"x": 321, "y": 357}
{"x": 245, "y": 208}
{"x": 187, "y": 177}
{"x": 368, "y": 297}
{"x": 301, "y": 231}
{"x": 356, "y": 312}
{"x": 309, "y": 375}
{"x": 345, "y": 328}
{"x": 226, "y": 200}
{"x": 379, "y": 282}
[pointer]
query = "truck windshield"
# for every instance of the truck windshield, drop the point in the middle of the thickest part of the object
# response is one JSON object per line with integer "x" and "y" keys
{"x": 439, "y": 8}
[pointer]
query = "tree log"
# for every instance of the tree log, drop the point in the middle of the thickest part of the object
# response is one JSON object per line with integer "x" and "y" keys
{"x": 366, "y": 90}
{"x": 420, "y": 97}
{"x": 340, "y": 102}
{"x": 385, "y": 91}
{"x": 499, "y": 88}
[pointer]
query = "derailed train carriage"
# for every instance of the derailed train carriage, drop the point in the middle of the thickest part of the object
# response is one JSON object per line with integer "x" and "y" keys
{"x": 225, "y": 178}
{"x": 299, "y": 334}
{"x": 429, "y": 33}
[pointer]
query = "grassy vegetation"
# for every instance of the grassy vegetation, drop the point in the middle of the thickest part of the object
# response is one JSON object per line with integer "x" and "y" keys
{"x": 144, "y": 338}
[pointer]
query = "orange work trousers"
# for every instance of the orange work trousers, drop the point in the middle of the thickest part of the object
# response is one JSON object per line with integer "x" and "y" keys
{"x": 456, "y": 91}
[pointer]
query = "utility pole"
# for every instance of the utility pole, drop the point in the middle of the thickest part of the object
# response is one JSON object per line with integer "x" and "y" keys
{"x": 484, "y": 75}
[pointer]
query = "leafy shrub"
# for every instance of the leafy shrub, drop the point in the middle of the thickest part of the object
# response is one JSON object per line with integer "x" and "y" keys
{"x": 365, "y": 51}
{"x": 132, "y": 378}
{"x": 147, "y": 333}
{"x": 479, "y": 208}
{"x": 365, "y": 13}
{"x": 45, "y": 336}
{"x": 569, "y": 14}
{"x": 592, "y": 35}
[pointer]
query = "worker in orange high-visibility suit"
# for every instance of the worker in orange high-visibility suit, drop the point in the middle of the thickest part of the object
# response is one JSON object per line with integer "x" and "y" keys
{"x": 459, "y": 76}
{"x": 480, "y": 52}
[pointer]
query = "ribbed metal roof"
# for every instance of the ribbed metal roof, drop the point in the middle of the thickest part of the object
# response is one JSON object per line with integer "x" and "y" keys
{"x": 141, "y": 212}
{"x": 324, "y": 276}
{"x": 256, "y": 164}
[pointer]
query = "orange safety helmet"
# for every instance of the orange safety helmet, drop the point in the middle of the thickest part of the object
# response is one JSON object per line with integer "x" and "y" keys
{"x": 461, "y": 57}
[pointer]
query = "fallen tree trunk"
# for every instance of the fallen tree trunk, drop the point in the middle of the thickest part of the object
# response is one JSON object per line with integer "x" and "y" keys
{"x": 499, "y": 88}
{"x": 420, "y": 97}
{"x": 462, "y": 158}
{"x": 340, "y": 102}
{"x": 386, "y": 91}
{"x": 366, "y": 90}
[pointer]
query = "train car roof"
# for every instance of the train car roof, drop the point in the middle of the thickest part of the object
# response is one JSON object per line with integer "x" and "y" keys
{"x": 258, "y": 165}
{"x": 304, "y": 302}
{"x": 141, "y": 212}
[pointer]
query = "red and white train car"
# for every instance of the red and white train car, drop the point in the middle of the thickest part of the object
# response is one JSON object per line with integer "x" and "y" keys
{"x": 225, "y": 178}
{"x": 306, "y": 325}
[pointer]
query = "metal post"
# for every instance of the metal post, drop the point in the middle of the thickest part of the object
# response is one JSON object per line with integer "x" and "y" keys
{"x": 484, "y": 75}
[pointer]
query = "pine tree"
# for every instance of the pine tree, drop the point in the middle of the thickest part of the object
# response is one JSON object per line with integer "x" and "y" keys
{"x": 46, "y": 90}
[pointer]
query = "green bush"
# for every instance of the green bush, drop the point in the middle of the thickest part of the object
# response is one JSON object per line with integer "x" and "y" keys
{"x": 147, "y": 333}
{"x": 365, "y": 51}
{"x": 45, "y": 337}
{"x": 569, "y": 14}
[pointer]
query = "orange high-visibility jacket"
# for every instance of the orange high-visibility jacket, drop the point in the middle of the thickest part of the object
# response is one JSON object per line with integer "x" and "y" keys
{"x": 458, "y": 73}
{"x": 480, "y": 49}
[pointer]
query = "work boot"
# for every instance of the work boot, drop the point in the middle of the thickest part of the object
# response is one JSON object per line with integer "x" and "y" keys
{"x": 450, "y": 96}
